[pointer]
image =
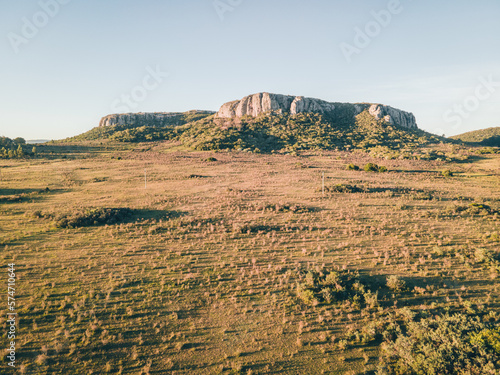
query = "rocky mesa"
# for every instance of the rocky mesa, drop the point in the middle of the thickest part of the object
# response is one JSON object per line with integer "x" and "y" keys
{"x": 264, "y": 102}
{"x": 156, "y": 119}
{"x": 256, "y": 104}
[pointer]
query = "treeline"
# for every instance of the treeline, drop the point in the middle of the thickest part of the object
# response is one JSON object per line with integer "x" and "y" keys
{"x": 15, "y": 148}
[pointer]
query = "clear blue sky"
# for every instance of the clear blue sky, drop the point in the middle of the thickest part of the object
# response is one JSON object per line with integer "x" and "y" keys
{"x": 437, "y": 59}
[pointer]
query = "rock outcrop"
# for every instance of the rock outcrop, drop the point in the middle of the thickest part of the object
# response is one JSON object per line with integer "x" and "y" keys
{"x": 254, "y": 105}
{"x": 393, "y": 115}
{"x": 158, "y": 119}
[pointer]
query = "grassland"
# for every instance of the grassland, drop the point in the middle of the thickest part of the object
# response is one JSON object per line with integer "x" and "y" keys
{"x": 219, "y": 264}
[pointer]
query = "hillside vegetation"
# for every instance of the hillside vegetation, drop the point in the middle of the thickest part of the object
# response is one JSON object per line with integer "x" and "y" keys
{"x": 275, "y": 132}
{"x": 485, "y": 137}
{"x": 148, "y": 133}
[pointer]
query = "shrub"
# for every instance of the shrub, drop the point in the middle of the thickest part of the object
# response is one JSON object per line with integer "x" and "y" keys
{"x": 480, "y": 209}
{"x": 370, "y": 167}
{"x": 456, "y": 344}
{"x": 447, "y": 173}
{"x": 395, "y": 283}
{"x": 279, "y": 207}
{"x": 487, "y": 338}
{"x": 352, "y": 167}
{"x": 92, "y": 216}
{"x": 421, "y": 196}
{"x": 211, "y": 159}
{"x": 332, "y": 286}
{"x": 306, "y": 295}
{"x": 343, "y": 188}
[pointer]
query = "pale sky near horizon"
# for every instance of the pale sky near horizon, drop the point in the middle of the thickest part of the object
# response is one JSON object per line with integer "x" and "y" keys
{"x": 66, "y": 63}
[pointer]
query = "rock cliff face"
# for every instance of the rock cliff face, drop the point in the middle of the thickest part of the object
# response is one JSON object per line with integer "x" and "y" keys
{"x": 159, "y": 119}
{"x": 254, "y": 105}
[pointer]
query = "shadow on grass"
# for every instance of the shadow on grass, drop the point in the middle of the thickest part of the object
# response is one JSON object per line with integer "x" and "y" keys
{"x": 23, "y": 195}
{"x": 49, "y": 151}
{"x": 148, "y": 214}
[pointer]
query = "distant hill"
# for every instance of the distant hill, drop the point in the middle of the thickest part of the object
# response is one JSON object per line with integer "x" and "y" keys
{"x": 485, "y": 137}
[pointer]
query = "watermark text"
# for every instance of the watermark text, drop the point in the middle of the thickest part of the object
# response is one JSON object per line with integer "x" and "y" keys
{"x": 11, "y": 315}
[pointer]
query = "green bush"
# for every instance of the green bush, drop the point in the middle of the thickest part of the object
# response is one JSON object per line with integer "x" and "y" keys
{"x": 487, "y": 338}
{"x": 371, "y": 167}
{"x": 352, "y": 167}
{"x": 447, "y": 173}
{"x": 449, "y": 344}
{"x": 343, "y": 188}
{"x": 92, "y": 216}
{"x": 395, "y": 283}
{"x": 335, "y": 286}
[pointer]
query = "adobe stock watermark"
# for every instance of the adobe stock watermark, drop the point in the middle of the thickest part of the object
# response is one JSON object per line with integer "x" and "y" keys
{"x": 224, "y": 6}
{"x": 31, "y": 26}
{"x": 482, "y": 92}
{"x": 363, "y": 37}
{"x": 151, "y": 81}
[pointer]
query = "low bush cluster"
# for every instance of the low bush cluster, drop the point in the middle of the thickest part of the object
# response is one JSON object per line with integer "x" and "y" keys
{"x": 440, "y": 345}
{"x": 279, "y": 207}
{"x": 92, "y": 216}
{"x": 335, "y": 286}
{"x": 371, "y": 167}
{"x": 473, "y": 209}
{"x": 343, "y": 188}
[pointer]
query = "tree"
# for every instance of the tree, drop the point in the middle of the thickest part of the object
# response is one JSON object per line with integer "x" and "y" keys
{"x": 20, "y": 141}
{"x": 19, "y": 151}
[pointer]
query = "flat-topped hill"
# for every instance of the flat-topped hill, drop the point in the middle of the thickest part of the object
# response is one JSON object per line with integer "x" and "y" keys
{"x": 266, "y": 122}
{"x": 261, "y": 103}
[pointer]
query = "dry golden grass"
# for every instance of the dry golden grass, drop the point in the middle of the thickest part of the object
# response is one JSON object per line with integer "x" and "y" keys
{"x": 203, "y": 279}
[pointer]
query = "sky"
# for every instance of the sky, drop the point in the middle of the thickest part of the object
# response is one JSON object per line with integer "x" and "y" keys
{"x": 64, "y": 64}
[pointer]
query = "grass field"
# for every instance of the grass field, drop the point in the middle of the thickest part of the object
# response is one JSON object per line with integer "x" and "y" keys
{"x": 218, "y": 264}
